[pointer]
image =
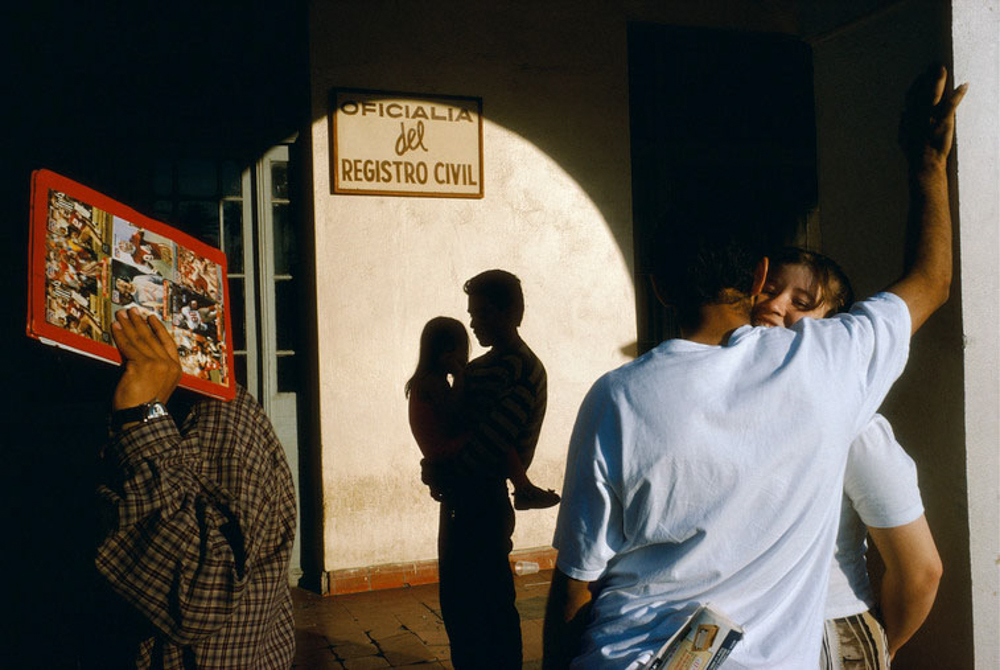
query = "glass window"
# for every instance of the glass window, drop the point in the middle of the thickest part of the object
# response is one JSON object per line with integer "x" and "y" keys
{"x": 232, "y": 221}
{"x": 164, "y": 209}
{"x": 279, "y": 180}
{"x": 240, "y": 363}
{"x": 286, "y": 315}
{"x": 200, "y": 219}
{"x": 285, "y": 246}
{"x": 163, "y": 178}
{"x": 232, "y": 182}
{"x": 197, "y": 178}
{"x": 237, "y": 313}
{"x": 288, "y": 374}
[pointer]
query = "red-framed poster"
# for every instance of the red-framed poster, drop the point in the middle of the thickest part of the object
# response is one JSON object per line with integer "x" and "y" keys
{"x": 91, "y": 256}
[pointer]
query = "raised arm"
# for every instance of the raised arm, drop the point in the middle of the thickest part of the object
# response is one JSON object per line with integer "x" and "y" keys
{"x": 909, "y": 587}
{"x": 926, "y": 133}
{"x": 180, "y": 546}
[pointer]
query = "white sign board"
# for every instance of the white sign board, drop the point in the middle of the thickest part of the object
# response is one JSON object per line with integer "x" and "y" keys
{"x": 406, "y": 144}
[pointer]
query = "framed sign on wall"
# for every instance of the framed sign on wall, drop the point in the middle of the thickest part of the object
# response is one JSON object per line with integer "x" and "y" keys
{"x": 406, "y": 144}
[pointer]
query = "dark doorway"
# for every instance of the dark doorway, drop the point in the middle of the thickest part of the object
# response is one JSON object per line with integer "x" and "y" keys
{"x": 723, "y": 129}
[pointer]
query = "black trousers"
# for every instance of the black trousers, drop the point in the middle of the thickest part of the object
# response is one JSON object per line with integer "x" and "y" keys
{"x": 476, "y": 585}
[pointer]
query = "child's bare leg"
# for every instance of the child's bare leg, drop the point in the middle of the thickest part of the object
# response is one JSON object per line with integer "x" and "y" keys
{"x": 526, "y": 494}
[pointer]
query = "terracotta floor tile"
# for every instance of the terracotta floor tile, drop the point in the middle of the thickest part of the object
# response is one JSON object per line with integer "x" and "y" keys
{"x": 398, "y": 627}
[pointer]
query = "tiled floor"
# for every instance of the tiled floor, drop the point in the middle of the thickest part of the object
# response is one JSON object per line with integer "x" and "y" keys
{"x": 398, "y": 628}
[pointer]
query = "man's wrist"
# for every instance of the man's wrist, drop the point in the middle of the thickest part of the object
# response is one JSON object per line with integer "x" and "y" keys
{"x": 929, "y": 163}
{"x": 128, "y": 417}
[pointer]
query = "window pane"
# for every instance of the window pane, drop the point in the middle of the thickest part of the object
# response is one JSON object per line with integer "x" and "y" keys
{"x": 279, "y": 180}
{"x": 197, "y": 178}
{"x": 232, "y": 184}
{"x": 237, "y": 312}
{"x": 163, "y": 178}
{"x": 286, "y": 315}
{"x": 240, "y": 363}
{"x": 164, "y": 209}
{"x": 288, "y": 374}
{"x": 285, "y": 247}
{"x": 232, "y": 217}
{"x": 200, "y": 219}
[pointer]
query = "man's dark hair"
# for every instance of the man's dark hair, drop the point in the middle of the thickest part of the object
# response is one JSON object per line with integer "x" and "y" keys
{"x": 696, "y": 263}
{"x": 834, "y": 287}
{"x": 502, "y": 289}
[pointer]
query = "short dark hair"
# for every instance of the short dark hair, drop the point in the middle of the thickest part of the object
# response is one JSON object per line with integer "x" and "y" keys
{"x": 502, "y": 289}
{"x": 834, "y": 286}
{"x": 700, "y": 262}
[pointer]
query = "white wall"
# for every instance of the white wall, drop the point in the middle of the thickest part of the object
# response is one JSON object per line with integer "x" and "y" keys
{"x": 976, "y": 36}
{"x": 554, "y": 93}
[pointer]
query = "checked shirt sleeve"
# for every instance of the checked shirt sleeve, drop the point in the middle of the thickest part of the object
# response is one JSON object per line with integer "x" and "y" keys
{"x": 190, "y": 515}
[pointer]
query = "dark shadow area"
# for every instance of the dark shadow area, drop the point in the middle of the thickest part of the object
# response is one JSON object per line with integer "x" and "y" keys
{"x": 103, "y": 91}
{"x": 723, "y": 132}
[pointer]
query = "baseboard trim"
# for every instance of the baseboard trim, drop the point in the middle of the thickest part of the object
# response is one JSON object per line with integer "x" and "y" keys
{"x": 414, "y": 573}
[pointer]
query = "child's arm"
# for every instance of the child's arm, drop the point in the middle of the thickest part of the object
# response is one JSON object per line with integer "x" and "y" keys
{"x": 430, "y": 414}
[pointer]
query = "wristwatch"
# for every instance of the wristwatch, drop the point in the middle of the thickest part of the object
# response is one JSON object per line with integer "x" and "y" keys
{"x": 143, "y": 413}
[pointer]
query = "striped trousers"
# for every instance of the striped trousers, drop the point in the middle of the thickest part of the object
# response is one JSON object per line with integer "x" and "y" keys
{"x": 855, "y": 642}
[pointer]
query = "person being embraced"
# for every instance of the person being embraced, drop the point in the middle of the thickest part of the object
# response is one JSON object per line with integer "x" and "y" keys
{"x": 881, "y": 496}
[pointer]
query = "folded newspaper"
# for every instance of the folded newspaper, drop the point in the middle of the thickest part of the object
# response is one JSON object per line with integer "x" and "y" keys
{"x": 702, "y": 643}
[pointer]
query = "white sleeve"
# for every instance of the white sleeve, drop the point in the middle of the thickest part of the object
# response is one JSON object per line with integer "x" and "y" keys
{"x": 881, "y": 479}
{"x": 865, "y": 365}
{"x": 589, "y": 528}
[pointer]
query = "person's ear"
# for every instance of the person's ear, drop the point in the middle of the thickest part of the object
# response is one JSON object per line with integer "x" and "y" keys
{"x": 759, "y": 277}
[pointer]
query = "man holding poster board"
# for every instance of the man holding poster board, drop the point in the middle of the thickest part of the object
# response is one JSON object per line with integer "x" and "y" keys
{"x": 200, "y": 517}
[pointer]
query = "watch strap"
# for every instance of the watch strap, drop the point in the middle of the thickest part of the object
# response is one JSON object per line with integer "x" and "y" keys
{"x": 143, "y": 413}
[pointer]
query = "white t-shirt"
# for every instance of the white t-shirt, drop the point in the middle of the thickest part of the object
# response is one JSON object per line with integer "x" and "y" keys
{"x": 703, "y": 473}
{"x": 880, "y": 490}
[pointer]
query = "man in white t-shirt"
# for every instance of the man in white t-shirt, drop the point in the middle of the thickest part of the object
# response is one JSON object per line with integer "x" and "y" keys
{"x": 711, "y": 469}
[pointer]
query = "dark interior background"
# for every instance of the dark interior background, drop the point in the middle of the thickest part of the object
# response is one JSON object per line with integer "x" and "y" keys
{"x": 722, "y": 130}
{"x": 100, "y": 92}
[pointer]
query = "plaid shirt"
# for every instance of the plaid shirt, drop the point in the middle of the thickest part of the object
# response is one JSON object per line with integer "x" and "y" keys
{"x": 204, "y": 520}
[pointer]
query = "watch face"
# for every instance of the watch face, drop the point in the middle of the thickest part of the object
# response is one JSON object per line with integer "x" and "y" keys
{"x": 155, "y": 410}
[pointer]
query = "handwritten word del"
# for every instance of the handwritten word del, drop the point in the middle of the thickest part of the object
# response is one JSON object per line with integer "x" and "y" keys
{"x": 410, "y": 140}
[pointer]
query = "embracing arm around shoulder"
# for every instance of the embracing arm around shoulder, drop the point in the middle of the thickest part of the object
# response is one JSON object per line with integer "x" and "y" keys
{"x": 927, "y": 132}
{"x": 913, "y": 571}
{"x": 566, "y": 614}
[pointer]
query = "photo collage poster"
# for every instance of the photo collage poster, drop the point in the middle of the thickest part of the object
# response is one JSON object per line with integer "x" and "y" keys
{"x": 97, "y": 263}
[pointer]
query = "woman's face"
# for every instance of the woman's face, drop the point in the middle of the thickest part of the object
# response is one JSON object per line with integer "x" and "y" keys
{"x": 790, "y": 293}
